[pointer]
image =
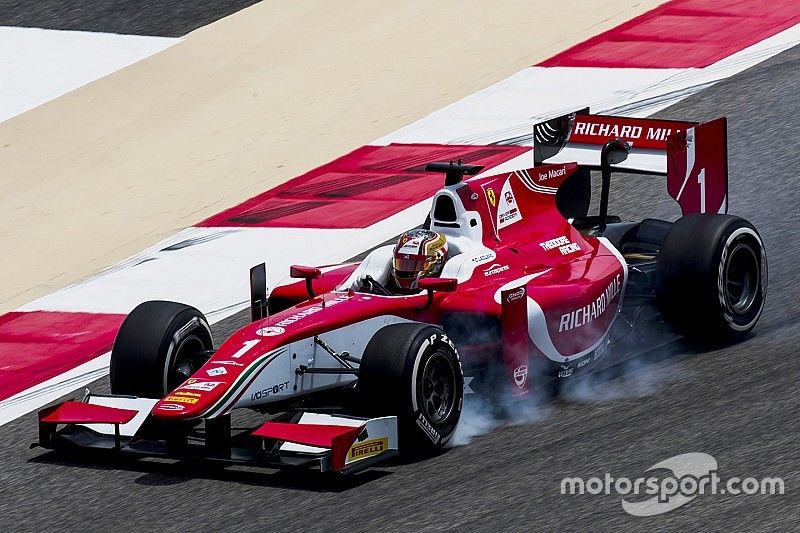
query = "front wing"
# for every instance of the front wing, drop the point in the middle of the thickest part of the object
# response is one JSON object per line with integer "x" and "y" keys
{"x": 117, "y": 426}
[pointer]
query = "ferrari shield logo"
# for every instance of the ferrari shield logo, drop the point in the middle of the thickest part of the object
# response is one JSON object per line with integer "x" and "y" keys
{"x": 491, "y": 197}
{"x": 521, "y": 375}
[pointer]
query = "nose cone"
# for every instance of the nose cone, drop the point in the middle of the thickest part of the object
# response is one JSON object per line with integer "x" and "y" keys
{"x": 194, "y": 398}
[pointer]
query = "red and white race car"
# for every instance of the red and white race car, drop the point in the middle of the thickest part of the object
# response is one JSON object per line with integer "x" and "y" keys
{"x": 527, "y": 296}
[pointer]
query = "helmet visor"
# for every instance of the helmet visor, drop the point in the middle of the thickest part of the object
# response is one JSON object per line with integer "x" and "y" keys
{"x": 412, "y": 265}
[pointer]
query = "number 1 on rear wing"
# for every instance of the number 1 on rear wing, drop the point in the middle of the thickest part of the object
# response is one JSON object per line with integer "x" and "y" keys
{"x": 693, "y": 156}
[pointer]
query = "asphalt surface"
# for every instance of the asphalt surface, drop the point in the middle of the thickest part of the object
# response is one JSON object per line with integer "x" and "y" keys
{"x": 738, "y": 403}
{"x": 166, "y": 18}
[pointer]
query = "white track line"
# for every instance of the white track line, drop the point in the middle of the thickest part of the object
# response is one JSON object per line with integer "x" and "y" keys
{"x": 39, "y": 65}
{"x": 509, "y": 108}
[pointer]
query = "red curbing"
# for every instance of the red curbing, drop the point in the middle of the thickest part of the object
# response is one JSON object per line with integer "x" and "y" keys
{"x": 682, "y": 34}
{"x": 356, "y": 190}
{"x": 38, "y": 345}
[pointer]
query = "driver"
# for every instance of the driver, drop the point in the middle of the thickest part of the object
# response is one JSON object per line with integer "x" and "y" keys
{"x": 419, "y": 253}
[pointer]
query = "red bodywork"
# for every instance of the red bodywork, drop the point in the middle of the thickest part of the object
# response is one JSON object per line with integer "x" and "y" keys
{"x": 574, "y": 285}
{"x": 505, "y": 235}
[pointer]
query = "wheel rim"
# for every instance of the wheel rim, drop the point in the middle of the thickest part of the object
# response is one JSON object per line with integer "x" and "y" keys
{"x": 438, "y": 387}
{"x": 187, "y": 359}
{"x": 742, "y": 278}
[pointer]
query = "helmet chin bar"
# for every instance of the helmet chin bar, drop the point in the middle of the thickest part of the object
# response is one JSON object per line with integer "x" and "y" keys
{"x": 409, "y": 283}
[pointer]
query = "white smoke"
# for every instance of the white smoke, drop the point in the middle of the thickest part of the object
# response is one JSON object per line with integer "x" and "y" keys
{"x": 636, "y": 377}
{"x": 479, "y": 417}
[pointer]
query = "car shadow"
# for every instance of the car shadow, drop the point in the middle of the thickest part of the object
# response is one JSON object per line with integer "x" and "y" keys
{"x": 164, "y": 472}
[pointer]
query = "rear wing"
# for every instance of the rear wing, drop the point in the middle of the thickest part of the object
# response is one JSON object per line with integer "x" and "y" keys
{"x": 693, "y": 156}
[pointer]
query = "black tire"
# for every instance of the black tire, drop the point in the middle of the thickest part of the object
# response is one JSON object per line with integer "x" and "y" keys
{"x": 711, "y": 280}
{"x": 159, "y": 345}
{"x": 395, "y": 379}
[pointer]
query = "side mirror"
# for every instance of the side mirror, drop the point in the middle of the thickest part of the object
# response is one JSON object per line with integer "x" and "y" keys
{"x": 304, "y": 272}
{"x": 307, "y": 273}
{"x": 437, "y": 284}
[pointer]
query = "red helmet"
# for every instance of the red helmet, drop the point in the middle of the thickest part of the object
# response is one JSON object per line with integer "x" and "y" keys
{"x": 419, "y": 253}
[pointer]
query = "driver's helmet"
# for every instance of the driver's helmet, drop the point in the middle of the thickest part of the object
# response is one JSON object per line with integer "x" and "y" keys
{"x": 420, "y": 253}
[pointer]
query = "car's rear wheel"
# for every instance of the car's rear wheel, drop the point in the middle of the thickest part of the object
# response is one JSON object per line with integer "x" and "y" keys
{"x": 159, "y": 345}
{"x": 711, "y": 280}
{"x": 412, "y": 371}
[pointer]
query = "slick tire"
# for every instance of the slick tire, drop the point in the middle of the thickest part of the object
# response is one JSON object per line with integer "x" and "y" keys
{"x": 412, "y": 371}
{"x": 159, "y": 345}
{"x": 711, "y": 277}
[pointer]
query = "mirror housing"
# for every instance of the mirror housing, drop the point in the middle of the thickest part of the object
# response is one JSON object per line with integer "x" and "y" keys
{"x": 438, "y": 284}
{"x": 307, "y": 273}
{"x": 304, "y": 272}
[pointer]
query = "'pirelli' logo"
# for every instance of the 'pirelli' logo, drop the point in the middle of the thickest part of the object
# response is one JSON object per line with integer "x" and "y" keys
{"x": 368, "y": 448}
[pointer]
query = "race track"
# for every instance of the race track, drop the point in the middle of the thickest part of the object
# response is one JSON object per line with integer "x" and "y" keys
{"x": 738, "y": 403}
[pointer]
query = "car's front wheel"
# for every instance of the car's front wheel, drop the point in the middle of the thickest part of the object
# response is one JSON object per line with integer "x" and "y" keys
{"x": 159, "y": 345}
{"x": 413, "y": 371}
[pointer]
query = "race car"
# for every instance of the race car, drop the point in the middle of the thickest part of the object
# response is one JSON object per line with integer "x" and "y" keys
{"x": 345, "y": 371}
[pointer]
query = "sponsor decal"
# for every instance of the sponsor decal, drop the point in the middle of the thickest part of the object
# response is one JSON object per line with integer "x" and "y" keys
{"x": 565, "y": 370}
{"x": 583, "y": 363}
{"x": 516, "y": 295}
{"x": 182, "y": 393}
{"x": 181, "y": 399}
{"x": 584, "y": 315}
{"x": 600, "y": 350}
{"x": 552, "y": 173}
{"x": 170, "y": 407}
{"x": 229, "y": 363}
{"x": 569, "y": 248}
{"x": 623, "y": 131}
{"x": 269, "y": 391}
{"x": 521, "y": 375}
{"x": 309, "y": 311}
{"x": 564, "y": 245}
{"x": 495, "y": 269}
{"x": 507, "y": 212}
{"x": 428, "y": 429}
{"x": 270, "y": 331}
{"x": 491, "y": 197}
{"x": 554, "y": 243}
{"x": 484, "y": 257}
{"x": 612, "y": 130}
{"x": 201, "y": 385}
{"x": 218, "y": 371}
{"x": 368, "y": 448}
